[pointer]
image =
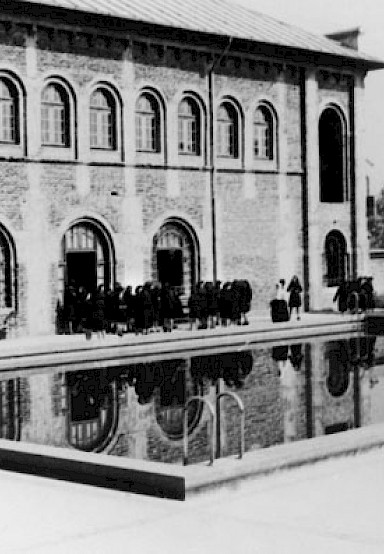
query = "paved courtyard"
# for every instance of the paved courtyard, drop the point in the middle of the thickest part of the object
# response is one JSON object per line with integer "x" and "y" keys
{"x": 333, "y": 506}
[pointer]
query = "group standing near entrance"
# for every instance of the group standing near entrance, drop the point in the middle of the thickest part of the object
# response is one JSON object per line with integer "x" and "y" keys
{"x": 152, "y": 307}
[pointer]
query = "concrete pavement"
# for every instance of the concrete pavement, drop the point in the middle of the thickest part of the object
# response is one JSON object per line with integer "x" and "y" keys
{"x": 333, "y": 506}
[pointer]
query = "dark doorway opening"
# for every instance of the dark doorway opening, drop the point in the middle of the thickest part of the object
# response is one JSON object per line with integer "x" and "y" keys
{"x": 81, "y": 270}
{"x": 170, "y": 266}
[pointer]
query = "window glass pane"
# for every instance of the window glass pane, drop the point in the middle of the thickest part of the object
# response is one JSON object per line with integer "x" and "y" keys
{"x": 189, "y": 127}
{"x": 54, "y": 116}
{"x": 8, "y": 103}
{"x": 147, "y": 124}
{"x": 102, "y": 120}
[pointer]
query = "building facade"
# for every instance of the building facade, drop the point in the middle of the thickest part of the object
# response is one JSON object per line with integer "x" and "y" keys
{"x": 159, "y": 145}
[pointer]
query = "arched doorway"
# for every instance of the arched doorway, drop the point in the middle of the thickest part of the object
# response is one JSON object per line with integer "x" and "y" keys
{"x": 87, "y": 256}
{"x": 336, "y": 259}
{"x": 175, "y": 256}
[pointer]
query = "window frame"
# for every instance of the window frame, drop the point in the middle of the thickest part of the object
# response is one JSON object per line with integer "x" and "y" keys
{"x": 266, "y": 131}
{"x": 190, "y": 128}
{"x": 152, "y": 126}
{"x": 11, "y": 102}
{"x": 57, "y": 112}
{"x": 105, "y": 132}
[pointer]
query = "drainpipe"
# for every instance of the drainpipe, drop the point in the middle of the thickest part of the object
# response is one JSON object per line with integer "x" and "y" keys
{"x": 212, "y": 170}
{"x": 212, "y": 183}
{"x": 353, "y": 182}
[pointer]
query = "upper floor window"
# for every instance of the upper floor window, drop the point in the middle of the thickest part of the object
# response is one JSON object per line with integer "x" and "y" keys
{"x": 332, "y": 156}
{"x": 189, "y": 127}
{"x": 227, "y": 131}
{"x": 263, "y": 134}
{"x": 147, "y": 124}
{"x": 54, "y": 116}
{"x": 102, "y": 120}
{"x": 8, "y": 112}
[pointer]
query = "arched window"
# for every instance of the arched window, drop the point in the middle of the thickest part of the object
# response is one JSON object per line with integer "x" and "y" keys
{"x": 9, "y": 104}
{"x": 227, "y": 131}
{"x": 332, "y": 156}
{"x": 263, "y": 134}
{"x": 189, "y": 127}
{"x": 55, "y": 116}
{"x": 335, "y": 258}
{"x": 147, "y": 124}
{"x": 102, "y": 119}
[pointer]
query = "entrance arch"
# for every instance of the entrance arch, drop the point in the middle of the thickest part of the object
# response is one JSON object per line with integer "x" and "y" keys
{"x": 175, "y": 256}
{"x": 336, "y": 258}
{"x": 87, "y": 256}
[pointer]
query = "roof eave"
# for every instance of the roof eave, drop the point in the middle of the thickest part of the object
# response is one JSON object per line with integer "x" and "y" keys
{"x": 97, "y": 21}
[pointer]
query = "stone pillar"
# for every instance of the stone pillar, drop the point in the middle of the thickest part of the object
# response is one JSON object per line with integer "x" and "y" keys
{"x": 37, "y": 258}
{"x": 33, "y": 138}
{"x": 286, "y": 255}
{"x": 311, "y": 138}
{"x": 362, "y": 243}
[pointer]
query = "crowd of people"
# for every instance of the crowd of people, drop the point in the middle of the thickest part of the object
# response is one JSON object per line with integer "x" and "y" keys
{"x": 355, "y": 296}
{"x": 152, "y": 307}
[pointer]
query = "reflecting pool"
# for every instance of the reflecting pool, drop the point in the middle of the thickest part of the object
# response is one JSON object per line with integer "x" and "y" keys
{"x": 289, "y": 391}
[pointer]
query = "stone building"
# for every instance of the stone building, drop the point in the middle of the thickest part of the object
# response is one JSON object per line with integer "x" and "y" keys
{"x": 174, "y": 142}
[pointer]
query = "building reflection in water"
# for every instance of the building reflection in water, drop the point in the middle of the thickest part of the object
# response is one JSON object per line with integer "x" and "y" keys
{"x": 290, "y": 392}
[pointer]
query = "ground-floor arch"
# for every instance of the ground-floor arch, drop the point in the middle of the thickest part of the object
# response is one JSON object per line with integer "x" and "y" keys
{"x": 336, "y": 258}
{"x": 8, "y": 275}
{"x": 87, "y": 256}
{"x": 175, "y": 256}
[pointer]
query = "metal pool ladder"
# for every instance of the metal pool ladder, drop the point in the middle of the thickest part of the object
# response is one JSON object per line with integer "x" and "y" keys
{"x": 205, "y": 400}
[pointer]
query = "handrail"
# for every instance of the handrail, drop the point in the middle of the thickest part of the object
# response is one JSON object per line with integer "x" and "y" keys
{"x": 240, "y": 405}
{"x": 185, "y": 427}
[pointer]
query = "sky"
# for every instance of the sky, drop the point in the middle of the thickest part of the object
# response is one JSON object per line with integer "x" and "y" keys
{"x": 326, "y": 16}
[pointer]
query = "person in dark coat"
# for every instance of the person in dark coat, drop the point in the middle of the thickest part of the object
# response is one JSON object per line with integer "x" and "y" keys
{"x": 217, "y": 294}
{"x": 99, "y": 322}
{"x": 129, "y": 303}
{"x": 166, "y": 307}
{"x": 225, "y": 305}
{"x": 193, "y": 308}
{"x": 203, "y": 307}
{"x": 70, "y": 308}
{"x": 341, "y": 297}
{"x": 236, "y": 302}
{"x": 82, "y": 311}
{"x": 139, "y": 310}
{"x": 245, "y": 298}
{"x": 155, "y": 294}
{"x": 294, "y": 289}
{"x": 147, "y": 307}
{"x": 211, "y": 300}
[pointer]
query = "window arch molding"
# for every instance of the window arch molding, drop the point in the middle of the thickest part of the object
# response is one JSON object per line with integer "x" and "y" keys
{"x": 191, "y": 125}
{"x": 263, "y": 133}
{"x": 229, "y": 130}
{"x": 13, "y": 138}
{"x": 333, "y": 153}
{"x": 60, "y": 139}
{"x": 105, "y": 120}
{"x": 152, "y": 124}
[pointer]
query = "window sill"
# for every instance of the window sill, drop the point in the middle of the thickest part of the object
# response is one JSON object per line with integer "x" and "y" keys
{"x": 60, "y": 153}
{"x": 105, "y": 156}
{"x": 11, "y": 150}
